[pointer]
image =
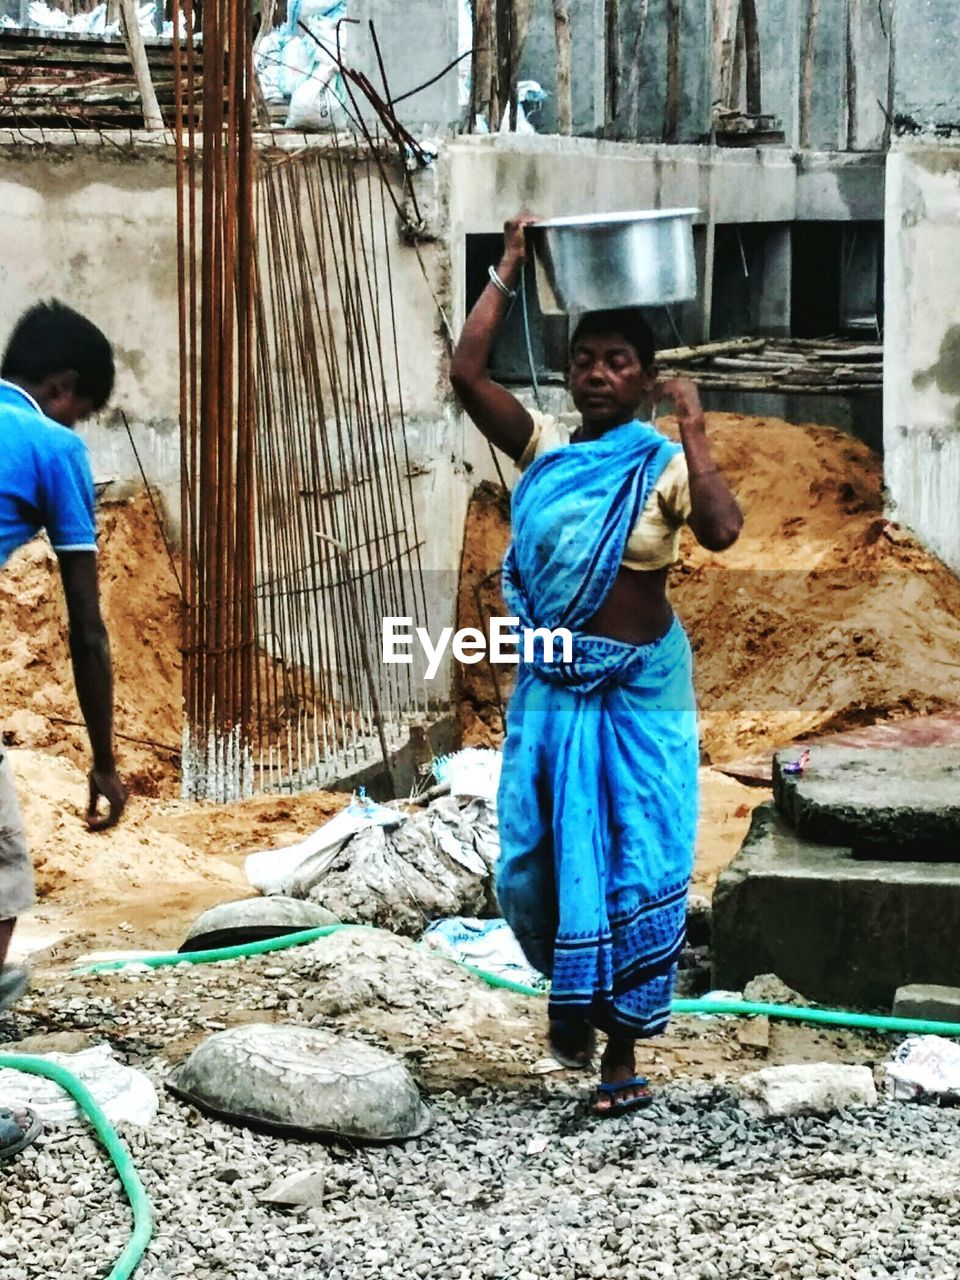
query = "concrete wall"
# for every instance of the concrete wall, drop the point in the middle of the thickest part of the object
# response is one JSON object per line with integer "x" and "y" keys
{"x": 539, "y": 63}
{"x": 417, "y": 39}
{"x": 94, "y": 223}
{"x": 489, "y": 179}
{"x": 922, "y": 374}
{"x": 783, "y": 28}
{"x": 95, "y": 226}
{"x": 927, "y": 62}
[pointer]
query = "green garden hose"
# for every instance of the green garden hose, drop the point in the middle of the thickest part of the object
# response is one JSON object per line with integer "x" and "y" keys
{"x": 136, "y": 1246}
{"x": 162, "y": 960}
{"x": 820, "y": 1017}
{"x": 736, "y": 1008}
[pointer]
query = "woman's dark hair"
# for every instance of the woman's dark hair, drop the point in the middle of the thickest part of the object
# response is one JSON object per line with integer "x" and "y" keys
{"x": 625, "y": 321}
{"x": 52, "y": 338}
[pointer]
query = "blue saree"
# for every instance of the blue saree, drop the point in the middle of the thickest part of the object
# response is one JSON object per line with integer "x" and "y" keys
{"x": 598, "y": 794}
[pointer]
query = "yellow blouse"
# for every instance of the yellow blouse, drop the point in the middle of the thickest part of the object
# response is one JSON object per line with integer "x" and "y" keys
{"x": 655, "y": 540}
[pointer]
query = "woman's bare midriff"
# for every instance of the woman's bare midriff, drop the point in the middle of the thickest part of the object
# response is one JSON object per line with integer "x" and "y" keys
{"x": 637, "y": 610}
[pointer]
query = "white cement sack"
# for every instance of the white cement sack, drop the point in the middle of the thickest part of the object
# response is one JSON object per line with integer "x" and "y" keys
{"x": 126, "y": 1096}
{"x": 924, "y": 1067}
{"x": 276, "y": 870}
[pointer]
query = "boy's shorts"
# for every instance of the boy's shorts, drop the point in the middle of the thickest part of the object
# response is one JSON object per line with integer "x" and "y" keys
{"x": 16, "y": 869}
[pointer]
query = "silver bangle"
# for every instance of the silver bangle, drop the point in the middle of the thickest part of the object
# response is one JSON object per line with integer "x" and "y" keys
{"x": 498, "y": 283}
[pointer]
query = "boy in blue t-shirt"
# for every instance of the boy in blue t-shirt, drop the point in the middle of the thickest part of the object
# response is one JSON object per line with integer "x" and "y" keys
{"x": 57, "y": 369}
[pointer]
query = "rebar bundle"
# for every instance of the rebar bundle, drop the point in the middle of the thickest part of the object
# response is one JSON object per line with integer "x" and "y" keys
{"x": 338, "y": 548}
{"x": 297, "y": 514}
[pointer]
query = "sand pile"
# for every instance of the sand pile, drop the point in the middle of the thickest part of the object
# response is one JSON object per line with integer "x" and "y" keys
{"x": 140, "y": 601}
{"x": 145, "y": 882}
{"x": 133, "y": 874}
{"x": 821, "y": 617}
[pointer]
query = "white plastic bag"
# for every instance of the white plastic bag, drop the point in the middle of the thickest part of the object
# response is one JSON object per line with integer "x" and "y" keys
{"x": 474, "y": 771}
{"x": 317, "y": 104}
{"x": 126, "y": 1096}
{"x": 924, "y": 1067}
{"x": 276, "y": 870}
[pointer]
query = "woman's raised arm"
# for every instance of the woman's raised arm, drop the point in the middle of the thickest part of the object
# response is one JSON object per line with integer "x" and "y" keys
{"x": 499, "y": 414}
{"x": 715, "y": 515}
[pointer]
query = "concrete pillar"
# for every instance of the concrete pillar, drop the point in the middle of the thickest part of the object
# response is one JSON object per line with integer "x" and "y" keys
{"x": 872, "y": 44}
{"x": 417, "y": 39}
{"x": 921, "y": 411}
{"x": 773, "y": 300}
{"x": 696, "y": 62}
{"x": 780, "y": 50}
{"x": 829, "y": 108}
{"x": 540, "y": 63}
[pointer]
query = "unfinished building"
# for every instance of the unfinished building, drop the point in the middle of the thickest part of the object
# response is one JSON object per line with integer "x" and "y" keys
{"x": 782, "y": 124}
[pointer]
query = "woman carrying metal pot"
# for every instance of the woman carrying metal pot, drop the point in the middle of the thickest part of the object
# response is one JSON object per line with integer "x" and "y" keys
{"x": 598, "y": 800}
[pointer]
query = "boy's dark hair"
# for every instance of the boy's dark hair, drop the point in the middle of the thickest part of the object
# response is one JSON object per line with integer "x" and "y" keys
{"x": 51, "y": 338}
{"x": 628, "y": 322}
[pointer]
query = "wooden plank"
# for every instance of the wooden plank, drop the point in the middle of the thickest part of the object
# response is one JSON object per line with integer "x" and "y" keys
{"x": 749, "y": 362}
{"x": 865, "y": 353}
{"x": 679, "y": 355}
{"x": 562, "y": 31}
{"x": 671, "y": 119}
{"x": 633, "y": 75}
{"x": 806, "y": 89}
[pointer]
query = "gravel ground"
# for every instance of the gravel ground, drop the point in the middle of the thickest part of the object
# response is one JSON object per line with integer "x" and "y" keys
{"x": 510, "y": 1182}
{"x": 513, "y": 1185}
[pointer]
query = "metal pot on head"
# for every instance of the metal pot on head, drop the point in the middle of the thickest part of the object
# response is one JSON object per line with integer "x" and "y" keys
{"x": 603, "y": 261}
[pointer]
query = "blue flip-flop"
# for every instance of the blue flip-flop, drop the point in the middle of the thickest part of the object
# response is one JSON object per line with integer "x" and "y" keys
{"x": 605, "y": 1090}
{"x": 17, "y": 1130}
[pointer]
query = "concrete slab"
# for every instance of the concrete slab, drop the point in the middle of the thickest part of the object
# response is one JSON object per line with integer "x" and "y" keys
{"x": 916, "y": 731}
{"x": 895, "y": 802}
{"x": 843, "y": 931}
{"x": 929, "y": 1001}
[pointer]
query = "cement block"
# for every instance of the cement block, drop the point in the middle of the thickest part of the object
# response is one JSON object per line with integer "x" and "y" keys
{"x": 927, "y": 1000}
{"x": 843, "y": 931}
{"x": 810, "y": 1088}
{"x": 893, "y": 801}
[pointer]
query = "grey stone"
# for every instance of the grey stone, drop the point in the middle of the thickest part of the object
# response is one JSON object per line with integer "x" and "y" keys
{"x": 841, "y": 930}
{"x": 306, "y": 1187}
{"x": 892, "y": 801}
{"x": 302, "y": 1080}
{"x": 253, "y": 919}
{"x": 767, "y": 988}
{"x": 809, "y": 1088}
{"x": 927, "y": 1000}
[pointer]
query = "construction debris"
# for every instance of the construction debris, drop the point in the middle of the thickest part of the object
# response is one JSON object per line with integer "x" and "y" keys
{"x": 60, "y": 80}
{"x": 785, "y": 365}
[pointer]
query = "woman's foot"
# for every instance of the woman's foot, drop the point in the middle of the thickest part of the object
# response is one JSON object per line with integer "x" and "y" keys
{"x": 572, "y": 1044}
{"x": 621, "y": 1089}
